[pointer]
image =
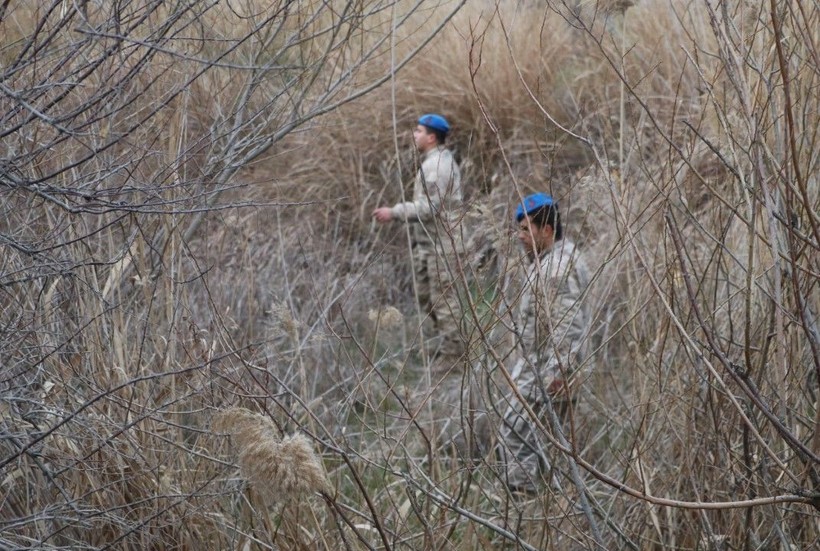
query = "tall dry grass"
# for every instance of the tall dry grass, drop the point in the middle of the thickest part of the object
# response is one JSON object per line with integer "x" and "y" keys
{"x": 186, "y": 232}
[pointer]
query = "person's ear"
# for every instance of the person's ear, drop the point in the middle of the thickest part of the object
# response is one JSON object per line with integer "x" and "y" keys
{"x": 549, "y": 231}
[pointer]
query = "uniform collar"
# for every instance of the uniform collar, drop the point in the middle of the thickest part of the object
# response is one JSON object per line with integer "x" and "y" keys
{"x": 544, "y": 254}
{"x": 438, "y": 148}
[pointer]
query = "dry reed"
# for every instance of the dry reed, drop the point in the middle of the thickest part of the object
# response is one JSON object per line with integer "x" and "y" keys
{"x": 215, "y": 254}
{"x": 283, "y": 470}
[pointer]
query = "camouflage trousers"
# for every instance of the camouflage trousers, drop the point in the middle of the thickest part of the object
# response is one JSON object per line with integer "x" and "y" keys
{"x": 437, "y": 284}
{"x": 521, "y": 447}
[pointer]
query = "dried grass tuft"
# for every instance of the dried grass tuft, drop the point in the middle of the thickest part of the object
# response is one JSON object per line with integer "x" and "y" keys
{"x": 388, "y": 317}
{"x": 273, "y": 299}
{"x": 281, "y": 470}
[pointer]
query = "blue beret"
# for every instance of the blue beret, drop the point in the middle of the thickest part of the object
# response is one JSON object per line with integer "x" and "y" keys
{"x": 532, "y": 203}
{"x": 436, "y": 122}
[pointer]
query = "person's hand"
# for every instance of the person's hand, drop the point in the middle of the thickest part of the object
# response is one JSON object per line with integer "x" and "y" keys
{"x": 383, "y": 215}
{"x": 557, "y": 388}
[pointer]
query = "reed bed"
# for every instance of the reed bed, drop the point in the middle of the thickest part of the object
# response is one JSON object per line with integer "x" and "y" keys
{"x": 207, "y": 343}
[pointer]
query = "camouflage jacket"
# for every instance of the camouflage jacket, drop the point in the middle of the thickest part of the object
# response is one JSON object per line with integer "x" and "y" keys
{"x": 555, "y": 323}
{"x": 436, "y": 192}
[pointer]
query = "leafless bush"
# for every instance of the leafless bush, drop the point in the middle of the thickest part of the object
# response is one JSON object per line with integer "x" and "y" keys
{"x": 185, "y": 227}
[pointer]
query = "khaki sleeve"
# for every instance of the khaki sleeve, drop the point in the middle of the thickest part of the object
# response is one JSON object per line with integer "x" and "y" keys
{"x": 562, "y": 326}
{"x": 433, "y": 188}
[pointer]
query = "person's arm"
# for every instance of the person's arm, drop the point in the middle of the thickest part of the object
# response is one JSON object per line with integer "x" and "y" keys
{"x": 437, "y": 180}
{"x": 563, "y": 319}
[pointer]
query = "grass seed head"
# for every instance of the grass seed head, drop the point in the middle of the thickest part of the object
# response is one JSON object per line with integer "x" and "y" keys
{"x": 388, "y": 317}
{"x": 281, "y": 470}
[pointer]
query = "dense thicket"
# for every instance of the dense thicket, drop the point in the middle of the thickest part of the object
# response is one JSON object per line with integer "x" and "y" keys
{"x": 206, "y": 343}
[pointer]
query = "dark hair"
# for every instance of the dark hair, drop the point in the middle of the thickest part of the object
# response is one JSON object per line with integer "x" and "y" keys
{"x": 548, "y": 216}
{"x": 441, "y": 136}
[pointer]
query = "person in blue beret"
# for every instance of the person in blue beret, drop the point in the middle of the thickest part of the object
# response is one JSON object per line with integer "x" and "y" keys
{"x": 431, "y": 213}
{"x": 553, "y": 331}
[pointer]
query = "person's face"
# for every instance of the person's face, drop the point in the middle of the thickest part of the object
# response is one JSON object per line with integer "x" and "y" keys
{"x": 424, "y": 138}
{"x": 535, "y": 239}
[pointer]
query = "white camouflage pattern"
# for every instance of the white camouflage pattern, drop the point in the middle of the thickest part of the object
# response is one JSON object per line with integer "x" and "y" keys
{"x": 554, "y": 331}
{"x": 434, "y": 212}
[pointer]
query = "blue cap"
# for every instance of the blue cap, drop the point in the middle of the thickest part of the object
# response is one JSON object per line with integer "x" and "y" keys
{"x": 532, "y": 203}
{"x": 436, "y": 122}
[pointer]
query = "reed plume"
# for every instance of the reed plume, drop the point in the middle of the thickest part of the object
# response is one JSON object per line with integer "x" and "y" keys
{"x": 282, "y": 470}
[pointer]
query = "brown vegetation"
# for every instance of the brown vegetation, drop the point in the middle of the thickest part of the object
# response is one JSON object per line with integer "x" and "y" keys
{"x": 207, "y": 344}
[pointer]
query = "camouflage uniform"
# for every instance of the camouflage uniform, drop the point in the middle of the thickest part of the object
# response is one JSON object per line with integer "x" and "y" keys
{"x": 436, "y": 198}
{"x": 554, "y": 331}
